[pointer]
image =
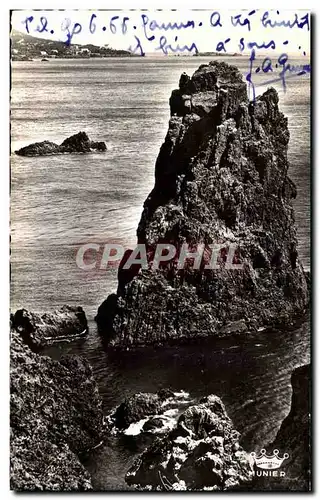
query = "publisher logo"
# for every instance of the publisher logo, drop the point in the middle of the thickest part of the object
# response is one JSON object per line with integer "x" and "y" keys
{"x": 269, "y": 465}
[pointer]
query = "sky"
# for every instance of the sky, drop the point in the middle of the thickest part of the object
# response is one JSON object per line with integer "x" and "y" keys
{"x": 154, "y": 31}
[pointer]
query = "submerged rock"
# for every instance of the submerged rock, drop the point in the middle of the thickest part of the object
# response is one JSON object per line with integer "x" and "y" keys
{"x": 137, "y": 407}
{"x": 201, "y": 452}
{"x": 63, "y": 325}
{"x": 78, "y": 143}
{"x": 221, "y": 177}
{"x": 153, "y": 424}
{"x": 55, "y": 415}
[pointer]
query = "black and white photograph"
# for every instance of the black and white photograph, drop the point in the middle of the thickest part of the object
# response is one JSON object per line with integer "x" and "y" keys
{"x": 160, "y": 255}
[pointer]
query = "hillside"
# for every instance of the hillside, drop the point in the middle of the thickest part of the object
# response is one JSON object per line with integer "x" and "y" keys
{"x": 25, "y": 47}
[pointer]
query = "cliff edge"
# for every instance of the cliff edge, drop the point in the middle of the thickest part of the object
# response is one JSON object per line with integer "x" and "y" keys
{"x": 55, "y": 415}
{"x": 294, "y": 435}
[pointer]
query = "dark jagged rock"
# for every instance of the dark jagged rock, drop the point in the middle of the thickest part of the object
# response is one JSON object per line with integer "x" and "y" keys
{"x": 201, "y": 453}
{"x": 55, "y": 415}
{"x": 294, "y": 435}
{"x": 137, "y": 407}
{"x": 152, "y": 424}
{"x": 63, "y": 325}
{"x": 78, "y": 143}
{"x": 221, "y": 177}
{"x": 39, "y": 148}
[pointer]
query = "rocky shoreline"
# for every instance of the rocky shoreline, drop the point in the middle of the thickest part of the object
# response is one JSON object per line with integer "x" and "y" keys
{"x": 55, "y": 416}
{"x": 200, "y": 450}
{"x": 40, "y": 330}
{"x": 202, "y": 453}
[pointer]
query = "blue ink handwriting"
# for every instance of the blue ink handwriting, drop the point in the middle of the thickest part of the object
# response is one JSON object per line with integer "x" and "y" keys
{"x": 237, "y": 21}
{"x": 296, "y": 22}
{"x": 268, "y": 66}
{"x": 151, "y": 34}
{"x": 153, "y": 25}
{"x": 167, "y": 48}
{"x": 215, "y": 20}
{"x": 76, "y": 28}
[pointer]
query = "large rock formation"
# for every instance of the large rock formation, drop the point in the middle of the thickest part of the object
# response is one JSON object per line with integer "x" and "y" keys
{"x": 63, "y": 325}
{"x": 221, "y": 177}
{"x": 77, "y": 143}
{"x": 55, "y": 415}
{"x": 201, "y": 453}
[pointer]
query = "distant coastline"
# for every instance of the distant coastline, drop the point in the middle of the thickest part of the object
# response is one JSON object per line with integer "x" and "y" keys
{"x": 41, "y": 59}
{"x": 217, "y": 54}
{"x": 25, "y": 47}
